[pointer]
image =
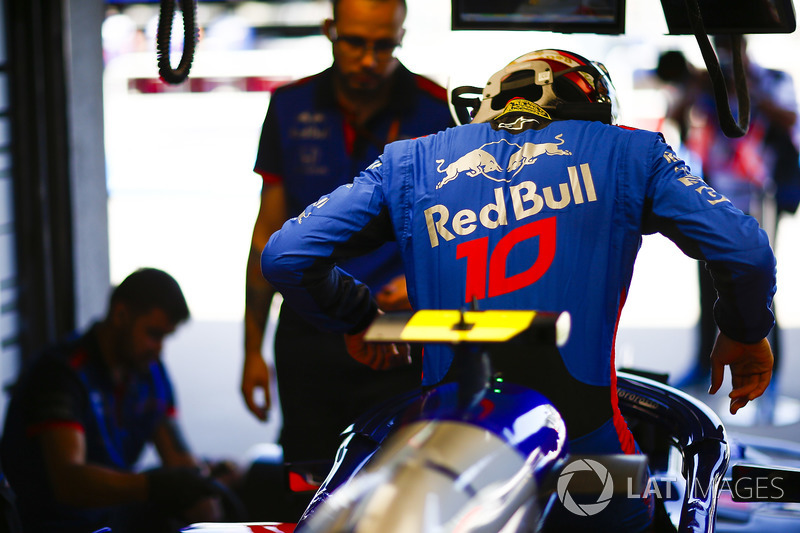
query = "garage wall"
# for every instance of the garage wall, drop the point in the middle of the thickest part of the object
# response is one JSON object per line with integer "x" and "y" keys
{"x": 89, "y": 196}
{"x": 53, "y": 222}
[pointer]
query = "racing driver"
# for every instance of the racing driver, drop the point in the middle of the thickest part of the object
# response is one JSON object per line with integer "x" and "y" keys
{"x": 540, "y": 202}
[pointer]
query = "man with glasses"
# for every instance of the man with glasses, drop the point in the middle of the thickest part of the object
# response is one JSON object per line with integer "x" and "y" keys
{"x": 319, "y": 132}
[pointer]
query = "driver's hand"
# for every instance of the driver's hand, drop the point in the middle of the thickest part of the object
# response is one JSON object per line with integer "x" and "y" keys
{"x": 255, "y": 375}
{"x": 751, "y": 369}
{"x": 394, "y": 295}
{"x": 377, "y": 356}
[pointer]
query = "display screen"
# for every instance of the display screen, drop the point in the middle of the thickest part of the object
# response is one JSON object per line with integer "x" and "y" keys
{"x": 733, "y": 16}
{"x": 564, "y": 16}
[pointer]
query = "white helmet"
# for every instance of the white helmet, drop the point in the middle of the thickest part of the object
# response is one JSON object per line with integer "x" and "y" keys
{"x": 566, "y": 85}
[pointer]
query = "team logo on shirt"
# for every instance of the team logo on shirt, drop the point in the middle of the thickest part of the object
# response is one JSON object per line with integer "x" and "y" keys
{"x": 309, "y": 126}
{"x": 685, "y": 176}
{"x": 480, "y": 162}
{"x": 518, "y": 124}
{"x": 527, "y": 199}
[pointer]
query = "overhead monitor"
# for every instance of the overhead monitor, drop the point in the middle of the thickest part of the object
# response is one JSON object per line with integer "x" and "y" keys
{"x": 608, "y": 16}
{"x": 564, "y": 16}
{"x": 732, "y": 16}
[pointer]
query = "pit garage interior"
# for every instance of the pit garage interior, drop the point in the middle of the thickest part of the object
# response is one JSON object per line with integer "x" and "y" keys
{"x": 102, "y": 170}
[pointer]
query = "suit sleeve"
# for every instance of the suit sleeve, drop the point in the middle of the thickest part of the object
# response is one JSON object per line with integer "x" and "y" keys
{"x": 300, "y": 260}
{"x": 706, "y": 226}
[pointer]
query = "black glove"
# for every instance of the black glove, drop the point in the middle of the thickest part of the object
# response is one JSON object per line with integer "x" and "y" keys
{"x": 178, "y": 488}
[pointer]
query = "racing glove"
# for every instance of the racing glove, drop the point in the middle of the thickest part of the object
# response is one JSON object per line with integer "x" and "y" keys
{"x": 177, "y": 489}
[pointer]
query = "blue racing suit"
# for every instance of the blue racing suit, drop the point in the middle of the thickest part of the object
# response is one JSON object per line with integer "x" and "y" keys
{"x": 549, "y": 219}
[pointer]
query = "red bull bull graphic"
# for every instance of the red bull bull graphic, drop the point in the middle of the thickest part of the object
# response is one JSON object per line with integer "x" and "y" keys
{"x": 480, "y": 162}
{"x": 473, "y": 163}
{"x": 529, "y": 152}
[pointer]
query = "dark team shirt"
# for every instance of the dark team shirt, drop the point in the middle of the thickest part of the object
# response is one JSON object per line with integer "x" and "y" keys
{"x": 308, "y": 145}
{"x": 71, "y": 386}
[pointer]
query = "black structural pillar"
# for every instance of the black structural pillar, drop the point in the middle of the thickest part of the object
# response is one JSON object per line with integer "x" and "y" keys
{"x": 40, "y": 155}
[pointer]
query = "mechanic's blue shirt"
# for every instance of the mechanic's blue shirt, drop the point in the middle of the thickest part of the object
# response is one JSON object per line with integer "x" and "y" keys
{"x": 71, "y": 386}
{"x": 308, "y": 145}
{"x": 548, "y": 219}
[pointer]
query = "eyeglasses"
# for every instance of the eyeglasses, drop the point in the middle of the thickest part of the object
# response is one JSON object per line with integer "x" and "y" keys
{"x": 358, "y": 46}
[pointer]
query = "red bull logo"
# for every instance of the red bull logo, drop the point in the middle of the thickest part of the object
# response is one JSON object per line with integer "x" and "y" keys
{"x": 526, "y": 200}
{"x": 481, "y": 162}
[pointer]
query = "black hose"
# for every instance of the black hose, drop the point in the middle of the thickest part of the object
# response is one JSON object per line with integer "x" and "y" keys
{"x": 730, "y": 127}
{"x": 163, "y": 38}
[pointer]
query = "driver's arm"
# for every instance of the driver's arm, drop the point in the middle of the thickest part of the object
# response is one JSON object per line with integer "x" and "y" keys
{"x": 706, "y": 226}
{"x": 301, "y": 259}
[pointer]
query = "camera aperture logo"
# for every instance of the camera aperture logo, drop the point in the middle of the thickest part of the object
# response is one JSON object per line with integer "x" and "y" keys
{"x": 585, "y": 465}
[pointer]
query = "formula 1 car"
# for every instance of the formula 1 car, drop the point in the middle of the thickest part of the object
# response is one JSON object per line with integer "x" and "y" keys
{"x": 484, "y": 453}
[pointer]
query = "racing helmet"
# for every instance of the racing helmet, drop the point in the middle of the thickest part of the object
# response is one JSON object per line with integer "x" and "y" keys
{"x": 565, "y": 84}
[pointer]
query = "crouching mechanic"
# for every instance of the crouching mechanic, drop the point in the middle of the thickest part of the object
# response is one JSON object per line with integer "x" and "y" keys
{"x": 539, "y": 203}
{"x": 81, "y": 415}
